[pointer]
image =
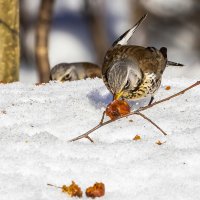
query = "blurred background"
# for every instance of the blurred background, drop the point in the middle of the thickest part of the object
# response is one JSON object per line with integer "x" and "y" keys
{"x": 83, "y": 30}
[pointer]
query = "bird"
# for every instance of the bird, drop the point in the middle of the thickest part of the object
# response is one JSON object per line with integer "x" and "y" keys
{"x": 134, "y": 72}
{"x": 74, "y": 71}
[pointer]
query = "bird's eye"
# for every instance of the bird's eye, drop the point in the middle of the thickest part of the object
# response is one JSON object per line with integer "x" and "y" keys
{"x": 66, "y": 78}
{"x": 127, "y": 85}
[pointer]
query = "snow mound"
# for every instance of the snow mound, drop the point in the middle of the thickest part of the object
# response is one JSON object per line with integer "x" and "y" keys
{"x": 37, "y": 121}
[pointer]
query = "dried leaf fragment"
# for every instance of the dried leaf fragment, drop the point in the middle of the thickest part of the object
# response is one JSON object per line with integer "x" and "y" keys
{"x": 137, "y": 137}
{"x": 168, "y": 87}
{"x": 73, "y": 190}
{"x": 117, "y": 108}
{"x": 160, "y": 143}
{"x": 97, "y": 190}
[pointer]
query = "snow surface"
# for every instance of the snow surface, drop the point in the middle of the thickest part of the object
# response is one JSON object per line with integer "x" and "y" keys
{"x": 37, "y": 121}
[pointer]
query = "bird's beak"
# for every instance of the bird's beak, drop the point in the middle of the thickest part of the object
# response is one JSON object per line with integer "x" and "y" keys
{"x": 118, "y": 95}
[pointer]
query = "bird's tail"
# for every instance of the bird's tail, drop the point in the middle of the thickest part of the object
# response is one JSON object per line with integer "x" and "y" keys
{"x": 163, "y": 50}
{"x": 171, "y": 63}
{"x": 123, "y": 39}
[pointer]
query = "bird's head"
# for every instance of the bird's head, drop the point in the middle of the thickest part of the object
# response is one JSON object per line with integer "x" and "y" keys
{"x": 123, "y": 76}
{"x": 64, "y": 72}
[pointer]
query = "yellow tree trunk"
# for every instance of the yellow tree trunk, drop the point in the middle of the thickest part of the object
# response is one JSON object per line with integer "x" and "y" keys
{"x": 9, "y": 41}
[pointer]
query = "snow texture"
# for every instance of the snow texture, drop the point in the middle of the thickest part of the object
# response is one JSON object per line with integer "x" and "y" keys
{"x": 37, "y": 121}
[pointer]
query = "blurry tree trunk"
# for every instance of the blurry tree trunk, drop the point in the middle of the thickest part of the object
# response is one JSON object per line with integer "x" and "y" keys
{"x": 9, "y": 41}
{"x": 137, "y": 11}
{"x": 42, "y": 32}
{"x": 94, "y": 14}
{"x": 25, "y": 24}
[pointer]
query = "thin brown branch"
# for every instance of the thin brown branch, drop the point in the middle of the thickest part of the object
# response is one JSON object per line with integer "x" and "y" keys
{"x": 145, "y": 117}
{"x": 103, "y": 115}
{"x": 170, "y": 97}
{"x": 42, "y": 33}
{"x": 89, "y": 138}
{"x": 54, "y": 186}
{"x": 101, "y": 124}
{"x": 85, "y": 135}
{"x": 92, "y": 130}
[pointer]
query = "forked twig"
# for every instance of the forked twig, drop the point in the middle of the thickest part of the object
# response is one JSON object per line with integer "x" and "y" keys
{"x": 137, "y": 112}
{"x": 89, "y": 138}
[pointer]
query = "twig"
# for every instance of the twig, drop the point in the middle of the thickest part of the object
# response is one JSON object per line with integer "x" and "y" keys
{"x": 85, "y": 135}
{"x": 137, "y": 112}
{"x": 101, "y": 122}
{"x": 89, "y": 138}
{"x": 54, "y": 186}
{"x": 170, "y": 97}
{"x": 145, "y": 117}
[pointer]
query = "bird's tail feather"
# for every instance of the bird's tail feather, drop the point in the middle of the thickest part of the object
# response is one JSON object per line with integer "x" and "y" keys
{"x": 123, "y": 39}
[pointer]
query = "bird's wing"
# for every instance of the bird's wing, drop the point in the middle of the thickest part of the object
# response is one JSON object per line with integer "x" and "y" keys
{"x": 123, "y": 39}
{"x": 150, "y": 59}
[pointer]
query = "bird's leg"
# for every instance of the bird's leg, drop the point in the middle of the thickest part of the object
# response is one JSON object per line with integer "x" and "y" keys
{"x": 151, "y": 100}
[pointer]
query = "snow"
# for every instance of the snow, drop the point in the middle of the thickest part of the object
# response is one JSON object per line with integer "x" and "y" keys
{"x": 37, "y": 121}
